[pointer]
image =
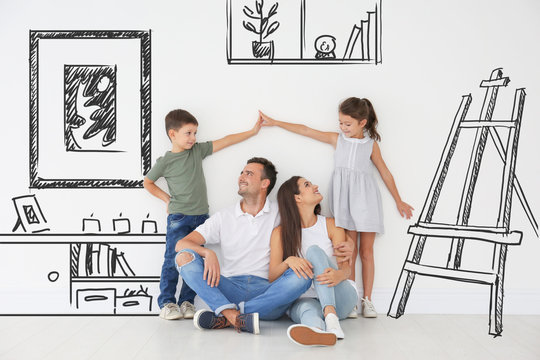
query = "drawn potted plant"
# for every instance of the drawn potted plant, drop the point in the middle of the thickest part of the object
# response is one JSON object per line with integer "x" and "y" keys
{"x": 261, "y": 49}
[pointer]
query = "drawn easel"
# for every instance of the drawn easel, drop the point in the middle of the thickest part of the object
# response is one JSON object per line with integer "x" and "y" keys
{"x": 499, "y": 236}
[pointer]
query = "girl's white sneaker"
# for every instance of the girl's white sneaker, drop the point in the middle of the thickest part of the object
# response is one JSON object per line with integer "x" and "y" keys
{"x": 368, "y": 310}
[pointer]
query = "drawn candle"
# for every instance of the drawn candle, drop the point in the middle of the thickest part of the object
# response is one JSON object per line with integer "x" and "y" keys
{"x": 148, "y": 226}
{"x": 90, "y": 225}
{"x": 121, "y": 225}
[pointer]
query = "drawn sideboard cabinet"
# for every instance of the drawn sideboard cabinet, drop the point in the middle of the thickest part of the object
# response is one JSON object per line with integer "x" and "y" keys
{"x": 80, "y": 274}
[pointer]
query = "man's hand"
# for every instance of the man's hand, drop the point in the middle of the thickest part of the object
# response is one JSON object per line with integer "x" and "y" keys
{"x": 345, "y": 251}
{"x": 211, "y": 268}
{"x": 301, "y": 267}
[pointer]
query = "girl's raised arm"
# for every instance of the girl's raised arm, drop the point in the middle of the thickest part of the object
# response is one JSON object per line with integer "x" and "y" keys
{"x": 326, "y": 137}
{"x": 405, "y": 210}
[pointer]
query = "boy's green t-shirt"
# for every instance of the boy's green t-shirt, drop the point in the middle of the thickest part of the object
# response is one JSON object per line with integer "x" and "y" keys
{"x": 185, "y": 179}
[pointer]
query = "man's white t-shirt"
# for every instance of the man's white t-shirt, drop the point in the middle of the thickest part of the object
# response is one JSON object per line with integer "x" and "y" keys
{"x": 244, "y": 239}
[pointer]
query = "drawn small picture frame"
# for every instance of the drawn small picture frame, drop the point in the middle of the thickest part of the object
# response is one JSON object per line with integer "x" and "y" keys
{"x": 90, "y": 109}
{"x": 29, "y": 215}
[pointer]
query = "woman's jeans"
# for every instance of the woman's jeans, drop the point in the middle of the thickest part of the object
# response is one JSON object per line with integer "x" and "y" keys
{"x": 247, "y": 293}
{"x": 343, "y": 297}
{"x": 178, "y": 226}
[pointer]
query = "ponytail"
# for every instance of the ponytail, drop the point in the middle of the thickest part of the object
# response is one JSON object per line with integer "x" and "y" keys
{"x": 361, "y": 109}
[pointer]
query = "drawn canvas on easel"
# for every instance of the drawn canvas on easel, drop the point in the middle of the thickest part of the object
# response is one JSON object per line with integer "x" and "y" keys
{"x": 475, "y": 216}
{"x": 304, "y": 32}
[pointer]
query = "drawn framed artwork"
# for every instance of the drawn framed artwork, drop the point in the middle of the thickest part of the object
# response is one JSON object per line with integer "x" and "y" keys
{"x": 89, "y": 109}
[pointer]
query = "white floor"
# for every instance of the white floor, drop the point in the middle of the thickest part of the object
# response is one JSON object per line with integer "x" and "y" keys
{"x": 410, "y": 337}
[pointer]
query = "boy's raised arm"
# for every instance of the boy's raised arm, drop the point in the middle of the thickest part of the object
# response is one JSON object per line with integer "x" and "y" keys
{"x": 236, "y": 138}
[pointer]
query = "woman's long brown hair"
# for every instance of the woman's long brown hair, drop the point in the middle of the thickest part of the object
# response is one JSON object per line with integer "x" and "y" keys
{"x": 291, "y": 224}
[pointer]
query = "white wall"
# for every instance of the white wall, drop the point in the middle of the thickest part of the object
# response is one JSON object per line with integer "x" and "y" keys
{"x": 433, "y": 53}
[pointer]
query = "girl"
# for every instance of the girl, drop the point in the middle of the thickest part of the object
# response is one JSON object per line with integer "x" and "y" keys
{"x": 355, "y": 201}
{"x": 305, "y": 242}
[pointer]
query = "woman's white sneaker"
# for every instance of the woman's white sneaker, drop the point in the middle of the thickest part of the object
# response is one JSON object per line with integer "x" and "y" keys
{"x": 332, "y": 325}
{"x": 310, "y": 336}
{"x": 354, "y": 313}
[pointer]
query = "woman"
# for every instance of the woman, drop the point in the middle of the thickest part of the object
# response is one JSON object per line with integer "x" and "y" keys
{"x": 305, "y": 242}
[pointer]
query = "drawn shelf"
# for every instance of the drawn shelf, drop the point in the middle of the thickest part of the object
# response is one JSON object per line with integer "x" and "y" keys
{"x": 276, "y": 32}
{"x": 105, "y": 274}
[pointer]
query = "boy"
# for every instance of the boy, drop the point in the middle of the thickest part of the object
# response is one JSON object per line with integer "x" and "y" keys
{"x": 187, "y": 204}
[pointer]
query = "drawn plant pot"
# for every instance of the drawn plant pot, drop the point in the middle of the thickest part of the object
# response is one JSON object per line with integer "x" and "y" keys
{"x": 263, "y": 50}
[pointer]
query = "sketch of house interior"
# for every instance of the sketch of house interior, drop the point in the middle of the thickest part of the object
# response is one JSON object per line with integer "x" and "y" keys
{"x": 300, "y": 32}
{"x": 104, "y": 273}
{"x": 482, "y": 204}
{"x": 95, "y": 69}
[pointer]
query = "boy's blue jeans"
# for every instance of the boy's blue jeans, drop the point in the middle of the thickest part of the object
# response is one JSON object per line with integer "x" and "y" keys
{"x": 178, "y": 226}
{"x": 246, "y": 293}
{"x": 343, "y": 297}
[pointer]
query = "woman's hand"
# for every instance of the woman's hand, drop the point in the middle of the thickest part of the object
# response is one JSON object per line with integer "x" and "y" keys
{"x": 211, "y": 268}
{"x": 331, "y": 277}
{"x": 405, "y": 210}
{"x": 301, "y": 267}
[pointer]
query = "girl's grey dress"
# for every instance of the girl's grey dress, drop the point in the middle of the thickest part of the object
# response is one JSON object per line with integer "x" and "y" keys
{"x": 355, "y": 200}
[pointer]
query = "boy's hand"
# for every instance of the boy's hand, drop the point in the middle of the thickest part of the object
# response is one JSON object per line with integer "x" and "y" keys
{"x": 405, "y": 210}
{"x": 267, "y": 120}
{"x": 258, "y": 125}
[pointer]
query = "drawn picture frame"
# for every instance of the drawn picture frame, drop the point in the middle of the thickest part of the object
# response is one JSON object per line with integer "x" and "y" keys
{"x": 69, "y": 72}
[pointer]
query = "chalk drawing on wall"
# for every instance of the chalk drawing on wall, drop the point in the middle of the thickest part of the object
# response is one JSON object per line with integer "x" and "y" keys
{"x": 469, "y": 228}
{"x": 301, "y": 32}
{"x": 103, "y": 115}
{"x": 104, "y": 273}
{"x": 90, "y": 107}
{"x": 30, "y": 218}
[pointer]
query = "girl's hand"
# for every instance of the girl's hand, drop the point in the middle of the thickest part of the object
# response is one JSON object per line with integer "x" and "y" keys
{"x": 300, "y": 266}
{"x": 267, "y": 120}
{"x": 331, "y": 277}
{"x": 405, "y": 210}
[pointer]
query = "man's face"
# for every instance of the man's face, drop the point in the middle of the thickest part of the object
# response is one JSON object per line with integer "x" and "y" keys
{"x": 250, "y": 181}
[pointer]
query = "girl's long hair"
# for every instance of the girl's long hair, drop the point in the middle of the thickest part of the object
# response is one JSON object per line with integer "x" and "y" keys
{"x": 291, "y": 224}
{"x": 361, "y": 109}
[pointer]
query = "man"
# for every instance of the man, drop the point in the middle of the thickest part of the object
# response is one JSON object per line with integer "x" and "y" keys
{"x": 237, "y": 290}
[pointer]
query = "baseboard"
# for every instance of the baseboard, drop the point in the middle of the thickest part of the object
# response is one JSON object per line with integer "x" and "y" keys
{"x": 459, "y": 301}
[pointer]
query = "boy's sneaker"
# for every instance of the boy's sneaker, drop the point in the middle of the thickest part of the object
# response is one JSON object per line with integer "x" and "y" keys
{"x": 310, "y": 336}
{"x": 332, "y": 325}
{"x": 368, "y": 310}
{"x": 354, "y": 313}
{"x": 206, "y": 319}
{"x": 248, "y": 323}
{"x": 188, "y": 309}
{"x": 170, "y": 311}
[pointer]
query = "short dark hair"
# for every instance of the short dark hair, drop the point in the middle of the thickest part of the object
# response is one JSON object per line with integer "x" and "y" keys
{"x": 269, "y": 171}
{"x": 175, "y": 119}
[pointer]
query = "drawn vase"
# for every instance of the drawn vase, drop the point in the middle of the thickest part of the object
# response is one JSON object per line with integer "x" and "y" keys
{"x": 263, "y": 50}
